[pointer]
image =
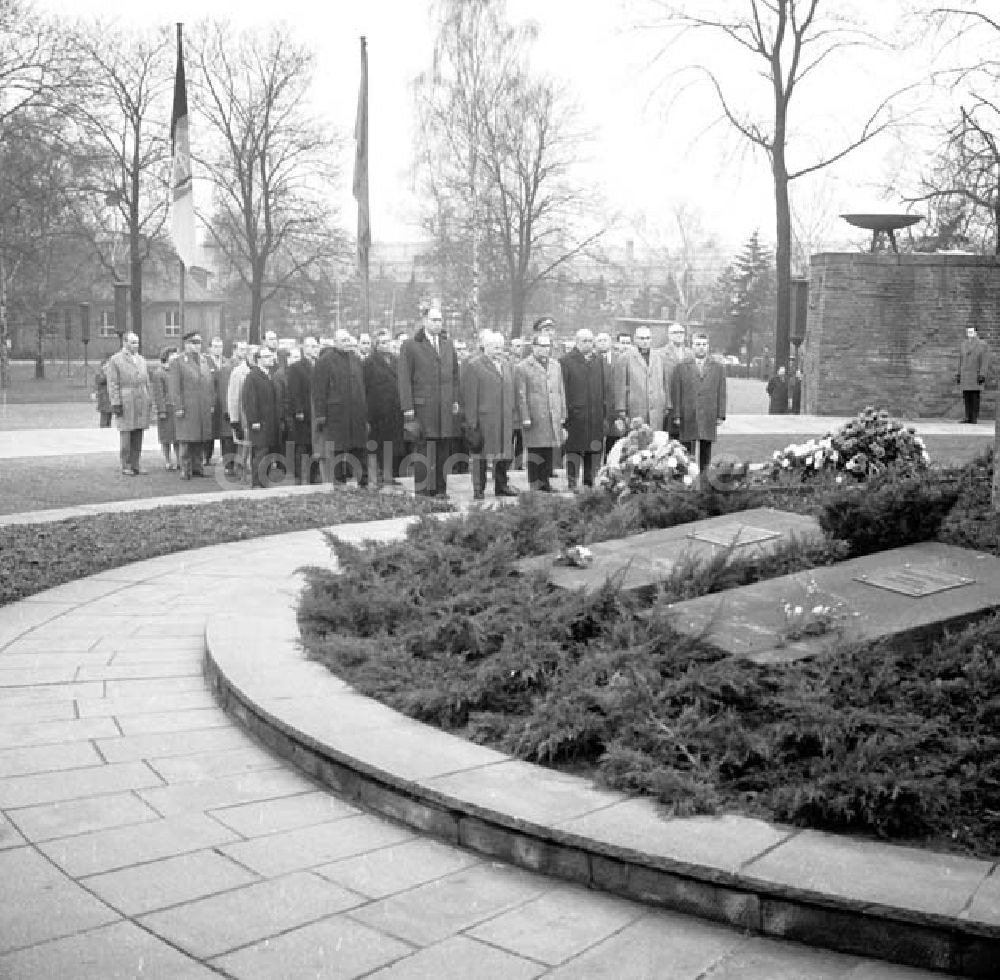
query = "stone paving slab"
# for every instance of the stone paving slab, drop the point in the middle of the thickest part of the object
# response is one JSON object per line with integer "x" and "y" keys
{"x": 647, "y": 558}
{"x": 747, "y": 621}
{"x": 115, "y": 952}
{"x": 701, "y": 865}
{"x": 65, "y": 897}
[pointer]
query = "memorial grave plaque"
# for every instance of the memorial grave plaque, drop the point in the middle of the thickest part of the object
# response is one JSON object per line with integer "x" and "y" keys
{"x": 915, "y": 581}
{"x": 733, "y": 535}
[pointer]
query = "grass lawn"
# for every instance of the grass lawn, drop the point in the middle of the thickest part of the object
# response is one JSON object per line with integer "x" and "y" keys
{"x": 35, "y": 557}
{"x": 64, "y": 481}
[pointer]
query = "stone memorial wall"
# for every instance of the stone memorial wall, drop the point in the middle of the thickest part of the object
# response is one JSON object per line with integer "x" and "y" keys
{"x": 884, "y": 330}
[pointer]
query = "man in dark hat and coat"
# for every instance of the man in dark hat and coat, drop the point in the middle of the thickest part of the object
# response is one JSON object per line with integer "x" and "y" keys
{"x": 263, "y": 422}
{"x": 192, "y": 393}
{"x": 385, "y": 417}
{"x": 342, "y": 411}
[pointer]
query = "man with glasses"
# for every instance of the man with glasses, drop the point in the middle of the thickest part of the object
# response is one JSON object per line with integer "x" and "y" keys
{"x": 429, "y": 397}
{"x": 541, "y": 408}
{"x": 192, "y": 393}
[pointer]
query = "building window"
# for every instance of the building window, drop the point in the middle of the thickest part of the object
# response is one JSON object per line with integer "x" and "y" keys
{"x": 107, "y": 324}
{"x": 172, "y": 323}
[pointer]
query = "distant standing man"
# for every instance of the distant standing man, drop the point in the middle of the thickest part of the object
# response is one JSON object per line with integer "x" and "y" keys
{"x": 541, "y": 409}
{"x": 385, "y": 417}
{"x": 583, "y": 372}
{"x": 342, "y": 411}
{"x": 192, "y": 392}
{"x": 777, "y": 393}
{"x": 673, "y": 354}
{"x": 260, "y": 409}
{"x": 698, "y": 396}
{"x": 300, "y": 379}
{"x": 131, "y": 401}
{"x": 640, "y": 383}
{"x": 429, "y": 395}
{"x": 973, "y": 364}
{"x": 488, "y": 405}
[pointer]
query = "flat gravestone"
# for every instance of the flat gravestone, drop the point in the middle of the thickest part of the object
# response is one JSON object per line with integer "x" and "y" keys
{"x": 733, "y": 534}
{"x": 645, "y": 559}
{"x": 914, "y": 581}
{"x": 912, "y": 592}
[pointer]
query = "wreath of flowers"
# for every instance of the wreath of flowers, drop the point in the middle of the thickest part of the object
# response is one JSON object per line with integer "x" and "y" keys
{"x": 645, "y": 460}
{"x": 867, "y": 444}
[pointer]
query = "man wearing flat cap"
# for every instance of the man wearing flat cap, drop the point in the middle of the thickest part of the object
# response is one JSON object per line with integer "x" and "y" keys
{"x": 192, "y": 393}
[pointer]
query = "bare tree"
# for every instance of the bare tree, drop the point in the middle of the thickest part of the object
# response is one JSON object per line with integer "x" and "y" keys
{"x": 497, "y": 146}
{"x": 32, "y": 71}
{"x": 271, "y": 163}
{"x": 788, "y": 41}
{"x": 121, "y": 113}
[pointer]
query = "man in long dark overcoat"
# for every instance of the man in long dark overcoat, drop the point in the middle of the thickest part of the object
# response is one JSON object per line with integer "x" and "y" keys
{"x": 192, "y": 393}
{"x": 385, "y": 417}
{"x": 263, "y": 420}
{"x": 429, "y": 395}
{"x": 342, "y": 411}
{"x": 584, "y": 381}
{"x": 489, "y": 408}
{"x": 698, "y": 397}
{"x": 300, "y": 384}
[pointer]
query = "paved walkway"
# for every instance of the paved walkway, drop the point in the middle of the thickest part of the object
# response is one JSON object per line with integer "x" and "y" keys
{"x": 142, "y": 832}
{"x": 62, "y": 442}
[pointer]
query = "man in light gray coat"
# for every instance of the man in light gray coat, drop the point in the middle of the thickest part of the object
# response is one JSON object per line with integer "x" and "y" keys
{"x": 131, "y": 401}
{"x": 541, "y": 409}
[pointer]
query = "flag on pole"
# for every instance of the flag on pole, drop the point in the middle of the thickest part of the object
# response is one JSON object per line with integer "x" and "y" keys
{"x": 361, "y": 167}
{"x": 182, "y": 206}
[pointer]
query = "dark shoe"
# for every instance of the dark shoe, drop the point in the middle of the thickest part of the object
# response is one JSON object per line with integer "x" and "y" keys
{"x": 478, "y": 495}
{"x": 507, "y": 492}
{"x": 198, "y": 473}
{"x": 547, "y": 489}
{"x": 139, "y": 471}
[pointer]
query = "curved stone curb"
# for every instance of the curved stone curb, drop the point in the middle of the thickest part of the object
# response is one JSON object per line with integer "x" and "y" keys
{"x": 901, "y": 904}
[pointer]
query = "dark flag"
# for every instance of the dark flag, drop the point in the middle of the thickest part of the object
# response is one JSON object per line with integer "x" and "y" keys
{"x": 182, "y": 205}
{"x": 361, "y": 167}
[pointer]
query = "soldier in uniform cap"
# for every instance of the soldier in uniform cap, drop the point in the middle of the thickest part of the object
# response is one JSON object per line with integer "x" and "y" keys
{"x": 192, "y": 393}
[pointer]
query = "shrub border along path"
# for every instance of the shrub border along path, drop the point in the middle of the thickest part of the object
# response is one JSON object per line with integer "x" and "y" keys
{"x": 910, "y": 906}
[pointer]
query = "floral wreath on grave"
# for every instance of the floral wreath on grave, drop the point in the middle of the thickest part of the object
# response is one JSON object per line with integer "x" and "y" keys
{"x": 645, "y": 460}
{"x": 870, "y": 443}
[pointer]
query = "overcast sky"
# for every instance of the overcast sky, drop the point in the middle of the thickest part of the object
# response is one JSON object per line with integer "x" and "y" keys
{"x": 645, "y": 162}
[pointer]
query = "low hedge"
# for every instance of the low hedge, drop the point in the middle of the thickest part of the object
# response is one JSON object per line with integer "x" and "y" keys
{"x": 867, "y": 739}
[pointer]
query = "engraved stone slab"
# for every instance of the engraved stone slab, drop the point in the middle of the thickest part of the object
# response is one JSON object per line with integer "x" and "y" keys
{"x": 954, "y": 586}
{"x": 733, "y": 535}
{"x": 642, "y": 560}
{"x": 914, "y": 580}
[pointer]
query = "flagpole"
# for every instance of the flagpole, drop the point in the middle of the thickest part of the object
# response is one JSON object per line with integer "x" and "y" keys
{"x": 361, "y": 186}
{"x": 183, "y": 271}
{"x": 182, "y": 204}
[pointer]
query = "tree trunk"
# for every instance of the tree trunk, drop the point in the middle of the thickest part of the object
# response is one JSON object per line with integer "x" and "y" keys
{"x": 782, "y": 253}
{"x": 134, "y": 243}
{"x": 256, "y": 308}
{"x": 516, "y": 308}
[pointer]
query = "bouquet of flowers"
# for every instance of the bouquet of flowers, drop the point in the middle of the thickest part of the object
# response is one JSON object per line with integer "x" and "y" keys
{"x": 870, "y": 443}
{"x": 645, "y": 460}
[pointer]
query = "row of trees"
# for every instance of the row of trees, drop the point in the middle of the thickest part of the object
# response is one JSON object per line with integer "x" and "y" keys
{"x": 85, "y": 153}
{"x": 84, "y": 150}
